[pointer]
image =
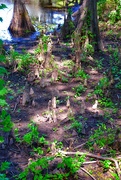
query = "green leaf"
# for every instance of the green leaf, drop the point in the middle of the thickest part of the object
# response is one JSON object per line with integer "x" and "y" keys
{"x": 1, "y": 19}
{"x": 3, "y": 71}
{"x": 3, "y": 92}
{"x": 3, "y": 102}
{"x": 3, "y": 177}
{"x": 5, "y": 165}
{"x": 2, "y": 82}
{"x": 1, "y": 139}
{"x": 2, "y": 58}
{"x": 3, "y": 6}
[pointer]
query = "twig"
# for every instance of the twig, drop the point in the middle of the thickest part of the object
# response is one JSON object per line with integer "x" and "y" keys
{"x": 79, "y": 146}
{"x": 94, "y": 156}
{"x": 87, "y": 173}
{"x": 17, "y": 102}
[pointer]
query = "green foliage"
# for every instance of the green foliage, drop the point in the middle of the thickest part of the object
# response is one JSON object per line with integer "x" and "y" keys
{"x": 45, "y": 40}
{"x": 24, "y": 61}
{"x": 69, "y": 63}
{"x": 89, "y": 49}
{"x": 79, "y": 90}
{"x": 109, "y": 10}
{"x": 2, "y": 6}
{"x": 81, "y": 73}
{"x": 102, "y": 85}
{"x": 77, "y": 126}
{"x": 5, "y": 123}
{"x": 16, "y": 133}
{"x": 100, "y": 89}
{"x": 115, "y": 14}
{"x": 3, "y": 167}
{"x": 102, "y": 137}
{"x": 58, "y": 145}
{"x": 106, "y": 164}
{"x": 3, "y": 92}
{"x": 36, "y": 168}
{"x": 106, "y": 102}
{"x": 64, "y": 79}
{"x": 116, "y": 176}
{"x": 31, "y": 136}
{"x": 71, "y": 164}
{"x": 37, "y": 150}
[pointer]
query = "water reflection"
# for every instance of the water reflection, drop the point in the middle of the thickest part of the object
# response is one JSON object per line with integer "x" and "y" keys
{"x": 35, "y": 10}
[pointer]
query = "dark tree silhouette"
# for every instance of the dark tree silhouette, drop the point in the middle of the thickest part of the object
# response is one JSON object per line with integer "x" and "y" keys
{"x": 21, "y": 23}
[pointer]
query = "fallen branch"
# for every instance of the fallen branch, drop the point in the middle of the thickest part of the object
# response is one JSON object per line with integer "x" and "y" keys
{"x": 94, "y": 156}
{"x": 86, "y": 173}
{"x": 89, "y": 162}
{"x": 81, "y": 145}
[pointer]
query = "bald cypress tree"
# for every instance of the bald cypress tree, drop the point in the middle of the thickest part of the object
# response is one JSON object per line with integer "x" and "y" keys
{"x": 21, "y": 23}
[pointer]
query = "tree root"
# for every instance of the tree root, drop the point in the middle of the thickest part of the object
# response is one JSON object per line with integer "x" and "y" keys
{"x": 97, "y": 157}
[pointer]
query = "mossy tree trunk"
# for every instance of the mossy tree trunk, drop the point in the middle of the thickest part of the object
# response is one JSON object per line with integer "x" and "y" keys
{"x": 21, "y": 23}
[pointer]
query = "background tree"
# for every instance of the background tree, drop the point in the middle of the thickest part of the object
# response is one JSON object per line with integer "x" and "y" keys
{"x": 21, "y": 22}
{"x": 86, "y": 35}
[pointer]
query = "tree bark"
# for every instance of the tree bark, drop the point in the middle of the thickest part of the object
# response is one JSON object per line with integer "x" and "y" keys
{"x": 21, "y": 23}
{"x": 96, "y": 40}
{"x": 89, "y": 8}
{"x": 86, "y": 30}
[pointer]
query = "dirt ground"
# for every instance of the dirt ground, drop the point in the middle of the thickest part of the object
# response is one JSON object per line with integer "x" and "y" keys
{"x": 90, "y": 117}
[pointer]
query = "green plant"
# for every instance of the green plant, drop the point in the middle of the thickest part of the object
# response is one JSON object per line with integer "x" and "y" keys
{"x": 106, "y": 102}
{"x": 77, "y": 125}
{"x": 71, "y": 165}
{"x": 36, "y": 168}
{"x": 33, "y": 135}
{"x": 42, "y": 141}
{"x": 100, "y": 89}
{"x": 99, "y": 63}
{"x": 5, "y": 123}
{"x": 64, "y": 79}
{"x": 37, "y": 150}
{"x": 3, "y": 167}
{"x": 112, "y": 152}
{"x": 80, "y": 73}
{"x": 102, "y": 84}
{"x": 79, "y": 89}
{"x": 102, "y": 137}
{"x": 106, "y": 164}
{"x": 57, "y": 144}
{"x": 24, "y": 61}
{"x": 89, "y": 48}
{"x": 17, "y": 136}
{"x": 45, "y": 41}
{"x": 68, "y": 63}
{"x": 116, "y": 176}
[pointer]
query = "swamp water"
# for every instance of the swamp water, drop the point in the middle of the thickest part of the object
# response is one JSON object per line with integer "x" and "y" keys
{"x": 43, "y": 15}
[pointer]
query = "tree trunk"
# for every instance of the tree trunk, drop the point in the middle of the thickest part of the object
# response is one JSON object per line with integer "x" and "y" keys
{"x": 87, "y": 30}
{"x": 96, "y": 40}
{"x": 21, "y": 23}
{"x": 87, "y": 15}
